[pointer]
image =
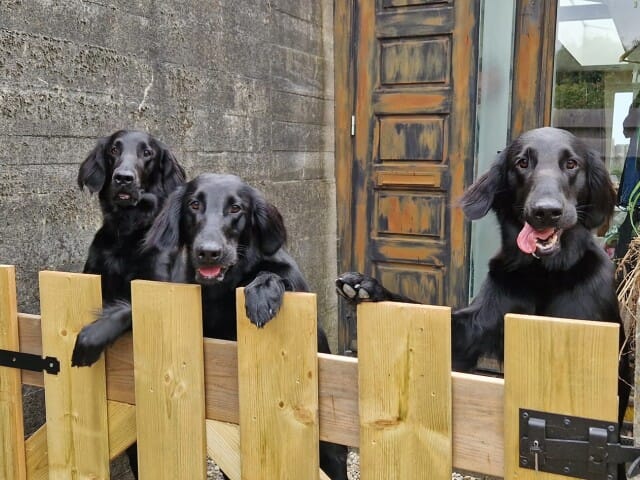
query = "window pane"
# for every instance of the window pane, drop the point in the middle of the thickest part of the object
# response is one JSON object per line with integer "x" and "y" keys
{"x": 596, "y": 91}
{"x": 493, "y": 115}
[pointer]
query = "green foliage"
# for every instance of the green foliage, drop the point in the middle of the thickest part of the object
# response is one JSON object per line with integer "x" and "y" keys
{"x": 579, "y": 90}
{"x": 634, "y": 198}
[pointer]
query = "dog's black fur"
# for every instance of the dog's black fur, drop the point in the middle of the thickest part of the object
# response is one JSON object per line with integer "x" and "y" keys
{"x": 225, "y": 235}
{"x": 133, "y": 173}
{"x": 549, "y": 179}
{"x": 228, "y": 236}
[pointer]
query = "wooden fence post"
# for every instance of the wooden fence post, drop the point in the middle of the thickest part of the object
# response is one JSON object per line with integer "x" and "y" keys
{"x": 568, "y": 367}
{"x": 12, "y": 452}
{"x": 76, "y": 398}
{"x": 404, "y": 358}
{"x": 278, "y": 387}
{"x": 169, "y": 379}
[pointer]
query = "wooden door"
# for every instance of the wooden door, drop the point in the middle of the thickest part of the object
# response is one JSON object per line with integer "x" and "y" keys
{"x": 408, "y": 76}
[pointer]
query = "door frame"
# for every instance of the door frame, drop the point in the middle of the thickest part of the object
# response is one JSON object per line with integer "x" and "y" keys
{"x": 344, "y": 87}
{"x": 534, "y": 52}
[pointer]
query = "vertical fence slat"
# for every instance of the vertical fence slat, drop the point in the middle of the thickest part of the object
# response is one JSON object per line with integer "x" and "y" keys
{"x": 12, "y": 458}
{"x": 404, "y": 356}
{"x": 559, "y": 366}
{"x": 122, "y": 433}
{"x": 76, "y": 398}
{"x": 169, "y": 379}
{"x": 278, "y": 387}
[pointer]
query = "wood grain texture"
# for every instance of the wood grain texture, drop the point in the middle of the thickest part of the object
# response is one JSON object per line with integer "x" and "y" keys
{"x": 533, "y": 58}
{"x": 465, "y": 41}
{"x": 478, "y": 401}
{"x": 76, "y": 398}
{"x": 37, "y": 455}
{"x": 122, "y": 427}
{"x": 414, "y": 67}
{"x": 278, "y": 387}
{"x": 568, "y": 367}
{"x": 223, "y": 446}
{"x": 338, "y": 387}
{"x": 478, "y": 425}
{"x": 405, "y": 391}
{"x": 169, "y": 380}
{"x": 122, "y": 433}
{"x": 344, "y": 105}
{"x": 12, "y": 459}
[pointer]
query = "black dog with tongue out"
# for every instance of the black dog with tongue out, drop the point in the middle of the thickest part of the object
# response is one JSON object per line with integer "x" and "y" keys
{"x": 548, "y": 191}
{"x": 227, "y": 235}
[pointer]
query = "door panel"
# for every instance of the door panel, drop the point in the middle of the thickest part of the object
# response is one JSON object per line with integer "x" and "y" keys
{"x": 414, "y": 62}
{"x": 415, "y": 69}
{"x": 411, "y": 138}
{"x": 415, "y": 280}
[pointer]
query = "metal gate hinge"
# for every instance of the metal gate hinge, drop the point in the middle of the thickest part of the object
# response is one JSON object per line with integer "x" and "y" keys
{"x": 573, "y": 446}
{"x": 29, "y": 361}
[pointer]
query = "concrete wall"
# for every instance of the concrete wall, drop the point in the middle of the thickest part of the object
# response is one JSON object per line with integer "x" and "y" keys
{"x": 240, "y": 86}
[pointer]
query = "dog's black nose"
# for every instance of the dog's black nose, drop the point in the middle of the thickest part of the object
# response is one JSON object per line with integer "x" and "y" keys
{"x": 209, "y": 253}
{"x": 546, "y": 212}
{"x": 123, "y": 178}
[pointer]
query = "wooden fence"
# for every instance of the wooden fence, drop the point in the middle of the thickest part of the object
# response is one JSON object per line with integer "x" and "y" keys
{"x": 399, "y": 402}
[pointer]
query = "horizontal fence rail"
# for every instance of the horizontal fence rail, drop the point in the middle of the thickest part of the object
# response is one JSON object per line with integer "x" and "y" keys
{"x": 399, "y": 402}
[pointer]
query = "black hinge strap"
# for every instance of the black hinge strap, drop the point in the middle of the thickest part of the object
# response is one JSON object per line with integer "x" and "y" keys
{"x": 29, "y": 361}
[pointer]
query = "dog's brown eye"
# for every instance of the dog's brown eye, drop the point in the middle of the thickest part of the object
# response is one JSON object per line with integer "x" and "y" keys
{"x": 194, "y": 205}
{"x": 522, "y": 163}
{"x": 114, "y": 150}
{"x": 235, "y": 208}
{"x": 571, "y": 164}
{"x": 147, "y": 152}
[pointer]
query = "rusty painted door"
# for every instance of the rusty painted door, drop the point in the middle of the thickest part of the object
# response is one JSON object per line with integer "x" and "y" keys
{"x": 413, "y": 67}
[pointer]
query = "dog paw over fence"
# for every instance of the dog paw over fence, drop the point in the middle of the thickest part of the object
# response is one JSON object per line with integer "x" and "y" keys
{"x": 260, "y": 406}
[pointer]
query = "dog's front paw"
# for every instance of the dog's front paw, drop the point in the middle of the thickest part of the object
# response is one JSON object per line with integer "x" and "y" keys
{"x": 89, "y": 345}
{"x": 357, "y": 287}
{"x": 263, "y": 298}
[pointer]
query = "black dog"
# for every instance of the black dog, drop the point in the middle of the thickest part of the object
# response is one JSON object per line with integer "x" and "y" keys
{"x": 134, "y": 174}
{"x": 228, "y": 236}
{"x": 223, "y": 234}
{"x": 548, "y": 191}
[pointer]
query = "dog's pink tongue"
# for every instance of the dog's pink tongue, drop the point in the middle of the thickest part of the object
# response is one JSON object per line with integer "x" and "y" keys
{"x": 209, "y": 271}
{"x": 528, "y": 236}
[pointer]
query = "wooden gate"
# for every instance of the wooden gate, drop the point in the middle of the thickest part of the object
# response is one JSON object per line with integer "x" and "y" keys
{"x": 399, "y": 402}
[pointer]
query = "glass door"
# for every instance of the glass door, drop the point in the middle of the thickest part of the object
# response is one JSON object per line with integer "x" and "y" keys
{"x": 596, "y": 96}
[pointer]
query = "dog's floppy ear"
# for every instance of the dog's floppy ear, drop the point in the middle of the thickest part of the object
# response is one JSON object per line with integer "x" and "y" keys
{"x": 164, "y": 234}
{"x": 479, "y": 197}
{"x": 93, "y": 170}
{"x": 172, "y": 172}
{"x": 602, "y": 195}
{"x": 268, "y": 225}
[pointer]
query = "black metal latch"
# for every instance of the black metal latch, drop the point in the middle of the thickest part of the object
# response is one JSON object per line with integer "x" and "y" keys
{"x": 29, "y": 361}
{"x": 573, "y": 446}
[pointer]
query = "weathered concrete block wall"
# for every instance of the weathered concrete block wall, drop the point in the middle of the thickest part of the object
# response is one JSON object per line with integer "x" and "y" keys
{"x": 239, "y": 86}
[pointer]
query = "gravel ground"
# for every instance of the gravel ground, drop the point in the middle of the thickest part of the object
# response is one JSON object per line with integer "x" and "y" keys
{"x": 353, "y": 470}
